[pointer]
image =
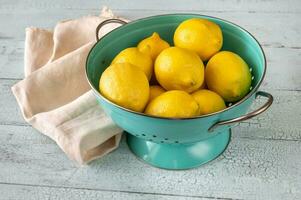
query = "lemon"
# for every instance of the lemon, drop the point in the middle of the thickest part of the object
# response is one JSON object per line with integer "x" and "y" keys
{"x": 173, "y": 104}
{"x": 125, "y": 85}
{"x": 153, "y": 45}
{"x": 154, "y": 91}
{"x": 133, "y": 56}
{"x": 179, "y": 69}
{"x": 209, "y": 101}
{"x": 199, "y": 35}
{"x": 203, "y": 86}
{"x": 228, "y": 75}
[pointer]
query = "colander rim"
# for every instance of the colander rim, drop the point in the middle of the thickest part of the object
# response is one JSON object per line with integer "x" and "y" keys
{"x": 96, "y": 92}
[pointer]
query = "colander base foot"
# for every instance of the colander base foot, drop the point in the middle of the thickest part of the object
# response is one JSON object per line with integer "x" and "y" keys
{"x": 179, "y": 156}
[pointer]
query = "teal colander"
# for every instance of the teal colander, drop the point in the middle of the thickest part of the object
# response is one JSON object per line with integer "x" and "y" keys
{"x": 176, "y": 143}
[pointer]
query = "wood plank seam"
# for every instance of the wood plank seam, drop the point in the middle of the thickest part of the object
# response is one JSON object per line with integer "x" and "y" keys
{"x": 190, "y": 11}
{"x": 197, "y": 10}
{"x": 93, "y": 9}
{"x": 267, "y": 139}
{"x": 122, "y": 191}
{"x": 14, "y": 124}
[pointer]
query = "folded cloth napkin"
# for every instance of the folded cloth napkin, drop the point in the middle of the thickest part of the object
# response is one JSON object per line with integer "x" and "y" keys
{"x": 55, "y": 97}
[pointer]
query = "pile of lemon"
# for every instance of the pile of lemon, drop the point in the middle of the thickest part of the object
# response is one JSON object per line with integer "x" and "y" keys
{"x": 166, "y": 81}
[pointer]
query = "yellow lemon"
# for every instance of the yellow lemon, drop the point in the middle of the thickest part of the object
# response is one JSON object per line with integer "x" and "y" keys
{"x": 173, "y": 104}
{"x": 154, "y": 91}
{"x": 199, "y": 35}
{"x": 209, "y": 101}
{"x": 228, "y": 75}
{"x": 153, "y": 45}
{"x": 203, "y": 86}
{"x": 179, "y": 69}
{"x": 135, "y": 57}
{"x": 125, "y": 85}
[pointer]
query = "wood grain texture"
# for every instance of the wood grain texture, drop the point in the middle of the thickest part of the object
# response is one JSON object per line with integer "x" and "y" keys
{"x": 11, "y": 59}
{"x": 249, "y": 169}
{"x": 280, "y": 122}
{"x": 10, "y": 112}
{"x": 32, "y": 192}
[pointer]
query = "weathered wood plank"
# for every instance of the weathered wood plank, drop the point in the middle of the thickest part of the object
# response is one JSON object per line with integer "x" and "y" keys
{"x": 10, "y": 113}
{"x": 281, "y": 121}
{"x": 249, "y": 169}
{"x": 188, "y": 5}
{"x": 265, "y": 26}
{"x": 19, "y": 147}
{"x": 28, "y": 192}
{"x": 11, "y": 59}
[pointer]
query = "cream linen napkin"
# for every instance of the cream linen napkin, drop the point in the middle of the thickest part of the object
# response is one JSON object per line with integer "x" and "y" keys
{"x": 55, "y": 97}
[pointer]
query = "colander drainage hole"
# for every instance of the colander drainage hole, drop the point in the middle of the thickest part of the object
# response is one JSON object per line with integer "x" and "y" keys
{"x": 143, "y": 134}
{"x": 176, "y": 141}
{"x": 165, "y": 138}
{"x": 154, "y": 136}
{"x": 251, "y": 69}
{"x": 151, "y": 140}
{"x": 162, "y": 141}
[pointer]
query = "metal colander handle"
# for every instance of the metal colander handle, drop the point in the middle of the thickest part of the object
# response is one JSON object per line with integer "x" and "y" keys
{"x": 249, "y": 115}
{"x": 108, "y": 21}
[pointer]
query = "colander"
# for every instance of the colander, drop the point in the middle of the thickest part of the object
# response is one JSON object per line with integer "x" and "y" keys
{"x": 176, "y": 143}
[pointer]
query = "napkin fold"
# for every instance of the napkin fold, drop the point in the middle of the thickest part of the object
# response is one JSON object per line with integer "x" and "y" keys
{"x": 55, "y": 97}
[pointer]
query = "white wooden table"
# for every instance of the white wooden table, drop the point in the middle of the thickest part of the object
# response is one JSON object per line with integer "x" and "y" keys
{"x": 263, "y": 160}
